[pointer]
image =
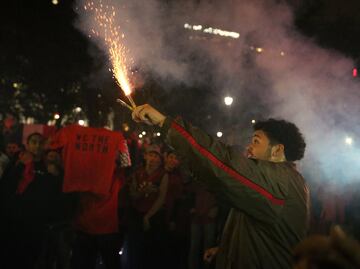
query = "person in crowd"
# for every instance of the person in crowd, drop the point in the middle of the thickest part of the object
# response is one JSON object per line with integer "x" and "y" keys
{"x": 4, "y": 160}
{"x": 332, "y": 206}
{"x": 94, "y": 158}
{"x": 97, "y": 226}
{"x": 31, "y": 202}
{"x": 12, "y": 149}
{"x": 203, "y": 225}
{"x": 269, "y": 197}
{"x": 53, "y": 162}
{"x": 147, "y": 218}
{"x": 175, "y": 185}
{"x": 175, "y": 182}
{"x": 11, "y": 128}
{"x": 175, "y": 205}
{"x": 56, "y": 250}
{"x": 134, "y": 146}
{"x": 337, "y": 251}
{"x": 353, "y": 210}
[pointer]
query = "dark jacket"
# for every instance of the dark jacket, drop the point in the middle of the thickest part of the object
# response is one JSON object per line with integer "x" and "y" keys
{"x": 270, "y": 201}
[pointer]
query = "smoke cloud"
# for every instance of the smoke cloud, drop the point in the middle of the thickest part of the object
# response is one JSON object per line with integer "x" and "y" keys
{"x": 280, "y": 69}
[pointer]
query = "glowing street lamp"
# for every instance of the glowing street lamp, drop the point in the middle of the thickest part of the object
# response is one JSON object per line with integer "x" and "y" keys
{"x": 16, "y": 85}
{"x": 81, "y": 122}
{"x": 78, "y": 109}
{"x": 228, "y": 100}
{"x": 348, "y": 140}
{"x": 56, "y": 116}
{"x": 219, "y": 134}
{"x": 253, "y": 121}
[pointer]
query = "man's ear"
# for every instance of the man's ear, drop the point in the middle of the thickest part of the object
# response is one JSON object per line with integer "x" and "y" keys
{"x": 278, "y": 151}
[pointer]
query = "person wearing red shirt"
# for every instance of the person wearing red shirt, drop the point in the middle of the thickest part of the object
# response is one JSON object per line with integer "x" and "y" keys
{"x": 147, "y": 186}
{"x": 97, "y": 228}
{"x": 94, "y": 161}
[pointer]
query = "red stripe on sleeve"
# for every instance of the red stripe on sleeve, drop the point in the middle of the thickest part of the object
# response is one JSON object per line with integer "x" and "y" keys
{"x": 231, "y": 172}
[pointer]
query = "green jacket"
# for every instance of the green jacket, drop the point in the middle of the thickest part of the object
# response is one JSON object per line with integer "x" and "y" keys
{"x": 270, "y": 201}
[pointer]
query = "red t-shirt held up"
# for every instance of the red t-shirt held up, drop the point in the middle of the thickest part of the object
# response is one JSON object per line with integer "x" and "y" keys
{"x": 89, "y": 157}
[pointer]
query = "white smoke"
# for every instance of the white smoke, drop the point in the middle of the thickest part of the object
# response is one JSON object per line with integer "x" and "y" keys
{"x": 296, "y": 79}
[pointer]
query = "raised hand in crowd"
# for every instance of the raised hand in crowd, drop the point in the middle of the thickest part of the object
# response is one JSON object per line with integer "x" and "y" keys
{"x": 334, "y": 251}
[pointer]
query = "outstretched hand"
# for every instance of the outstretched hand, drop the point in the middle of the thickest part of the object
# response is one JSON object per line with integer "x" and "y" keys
{"x": 149, "y": 115}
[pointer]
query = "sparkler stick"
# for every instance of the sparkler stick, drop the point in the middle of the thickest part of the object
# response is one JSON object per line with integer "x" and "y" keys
{"x": 131, "y": 101}
{"x": 127, "y": 92}
{"x": 124, "y": 104}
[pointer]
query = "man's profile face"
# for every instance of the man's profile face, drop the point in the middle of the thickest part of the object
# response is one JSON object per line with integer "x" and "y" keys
{"x": 259, "y": 146}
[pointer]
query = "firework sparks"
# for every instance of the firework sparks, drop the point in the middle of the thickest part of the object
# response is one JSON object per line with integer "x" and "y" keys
{"x": 105, "y": 17}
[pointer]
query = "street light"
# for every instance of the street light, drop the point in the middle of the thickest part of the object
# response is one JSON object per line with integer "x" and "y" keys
{"x": 228, "y": 100}
{"x": 348, "y": 140}
{"x": 78, "y": 109}
{"x": 219, "y": 134}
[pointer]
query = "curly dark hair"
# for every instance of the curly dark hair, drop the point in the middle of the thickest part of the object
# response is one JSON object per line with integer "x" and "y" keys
{"x": 286, "y": 133}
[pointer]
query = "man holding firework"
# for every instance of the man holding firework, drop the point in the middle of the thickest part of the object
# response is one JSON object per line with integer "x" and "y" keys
{"x": 269, "y": 198}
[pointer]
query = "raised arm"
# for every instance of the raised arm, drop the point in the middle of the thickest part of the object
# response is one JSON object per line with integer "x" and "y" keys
{"x": 255, "y": 187}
